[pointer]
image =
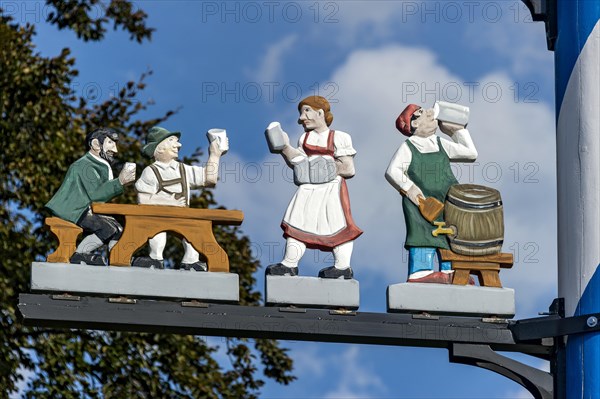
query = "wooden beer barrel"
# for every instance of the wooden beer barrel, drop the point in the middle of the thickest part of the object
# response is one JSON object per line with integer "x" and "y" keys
{"x": 477, "y": 214}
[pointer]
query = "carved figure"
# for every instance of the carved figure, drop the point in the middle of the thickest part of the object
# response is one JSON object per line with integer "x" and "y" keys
{"x": 318, "y": 216}
{"x": 90, "y": 179}
{"x": 168, "y": 182}
{"x": 420, "y": 171}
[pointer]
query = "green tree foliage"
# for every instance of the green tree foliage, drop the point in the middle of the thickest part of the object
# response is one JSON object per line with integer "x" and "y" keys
{"x": 42, "y": 127}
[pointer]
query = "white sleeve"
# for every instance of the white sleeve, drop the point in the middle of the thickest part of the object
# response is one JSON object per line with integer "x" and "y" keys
{"x": 301, "y": 143}
{"x": 195, "y": 176}
{"x": 343, "y": 144}
{"x": 461, "y": 148}
{"x": 299, "y": 158}
{"x": 397, "y": 171}
{"x": 147, "y": 183}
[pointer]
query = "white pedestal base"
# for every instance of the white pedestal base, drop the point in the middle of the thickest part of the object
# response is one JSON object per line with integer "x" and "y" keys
{"x": 134, "y": 281}
{"x": 312, "y": 292}
{"x": 451, "y": 299}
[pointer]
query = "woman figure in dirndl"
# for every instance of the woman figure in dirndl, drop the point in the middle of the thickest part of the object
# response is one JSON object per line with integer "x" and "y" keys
{"x": 318, "y": 216}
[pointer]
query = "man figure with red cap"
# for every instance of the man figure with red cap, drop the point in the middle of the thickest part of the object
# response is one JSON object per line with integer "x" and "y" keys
{"x": 419, "y": 169}
{"x": 318, "y": 216}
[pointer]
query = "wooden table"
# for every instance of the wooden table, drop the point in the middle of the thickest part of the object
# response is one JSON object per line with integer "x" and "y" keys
{"x": 486, "y": 268}
{"x": 195, "y": 225}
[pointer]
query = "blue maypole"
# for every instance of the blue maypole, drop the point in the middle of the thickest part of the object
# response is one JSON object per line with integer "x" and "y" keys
{"x": 577, "y": 60}
{"x": 573, "y": 32}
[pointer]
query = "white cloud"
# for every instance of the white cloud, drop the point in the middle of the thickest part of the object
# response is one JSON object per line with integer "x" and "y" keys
{"x": 359, "y": 21}
{"x": 271, "y": 65}
{"x": 308, "y": 361}
{"x": 514, "y": 37}
{"x": 356, "y": 377}
{"x": 513, "y": 139}
{"x": 507, "y": 134}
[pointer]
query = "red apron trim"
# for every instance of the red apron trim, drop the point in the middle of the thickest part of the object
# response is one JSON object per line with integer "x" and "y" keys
{"x": 327, "y": 243}
{"x": 316, "y": 150}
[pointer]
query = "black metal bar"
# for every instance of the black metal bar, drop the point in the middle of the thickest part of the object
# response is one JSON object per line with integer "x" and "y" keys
{"x": 545, "y": 10}
{"x": 554, "y": 326}
{"x": 273, "y": 323}
{"x": 558, "y": 367}
{"x": 539, "y": 383}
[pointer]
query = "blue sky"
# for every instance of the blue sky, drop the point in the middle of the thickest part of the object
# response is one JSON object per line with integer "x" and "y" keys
{"x": 241, "y": 65}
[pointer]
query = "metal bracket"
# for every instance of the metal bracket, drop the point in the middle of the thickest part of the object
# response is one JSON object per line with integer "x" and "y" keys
{"x": 194, "y": 304}
{"x": 554, "y": 325}
{"x": 66, "y": 297}
{"x": 123, "y": 300}
{"x": 545, "y": 10}
{"x": 470, "y": 340}
{"x": 539, "y": 383}
{"x": 292, "y": 309}
{"x": 342, "y": 312}
{"x": 425, "y": 316}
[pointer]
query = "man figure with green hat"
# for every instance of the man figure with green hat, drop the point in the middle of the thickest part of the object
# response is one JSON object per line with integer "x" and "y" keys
{"x": 168, "y": 182}
{"x": 90, "y": 179}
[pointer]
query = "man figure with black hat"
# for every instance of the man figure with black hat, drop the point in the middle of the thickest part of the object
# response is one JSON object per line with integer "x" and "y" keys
{"x": 90, "y": 179}
{"x": 419, "y": 169}
{"x": 168, "y": 182}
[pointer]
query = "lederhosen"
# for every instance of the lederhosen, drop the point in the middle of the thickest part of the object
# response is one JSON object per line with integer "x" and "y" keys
{"x": 182, "y": 179}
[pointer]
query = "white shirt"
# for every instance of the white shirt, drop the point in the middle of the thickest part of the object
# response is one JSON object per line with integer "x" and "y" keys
{"x": 461, "y": 149}
{"x": 148, "y": 183}
{"x": 341, "y": 141}
{"x": 105, "y": 162}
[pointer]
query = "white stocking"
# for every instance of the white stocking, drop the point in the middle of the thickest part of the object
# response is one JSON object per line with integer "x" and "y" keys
{"x": 342, "y": 254}
{"x": 157, "y": 245}
{"x": 294, "y": 250}
{"x": 89, "y": 244}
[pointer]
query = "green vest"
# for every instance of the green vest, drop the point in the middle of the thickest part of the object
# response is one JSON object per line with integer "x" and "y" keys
{"x": 432, "y": 174}
{"x": 86, "y": 182}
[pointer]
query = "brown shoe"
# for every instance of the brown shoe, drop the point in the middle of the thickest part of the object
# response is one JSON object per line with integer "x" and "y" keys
{"x": 435, "y": 278}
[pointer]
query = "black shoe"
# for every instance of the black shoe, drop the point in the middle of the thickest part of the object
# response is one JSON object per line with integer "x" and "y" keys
{"x": 333, "y": 272}
{"x": 197, "y": 266}
{"x": 147, "y": 262}
{"x": 280, "y": 269}
{"x": 88, "y": 259}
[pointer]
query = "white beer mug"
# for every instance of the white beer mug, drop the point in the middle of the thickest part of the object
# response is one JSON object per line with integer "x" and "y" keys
{"x": 221, "y": 135}
{"x": 453, "y": 113}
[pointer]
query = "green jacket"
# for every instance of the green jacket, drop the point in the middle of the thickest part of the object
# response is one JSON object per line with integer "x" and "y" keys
{"x": 86, "y": 182}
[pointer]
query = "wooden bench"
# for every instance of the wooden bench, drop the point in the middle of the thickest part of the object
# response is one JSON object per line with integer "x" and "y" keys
{"x": 66, "y": 233}
{"x": 195, "y": 225}
{"x": 486, "y": 268}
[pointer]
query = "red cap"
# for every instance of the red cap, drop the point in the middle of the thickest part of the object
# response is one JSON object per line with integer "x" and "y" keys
{"x": 403, "y": 121}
